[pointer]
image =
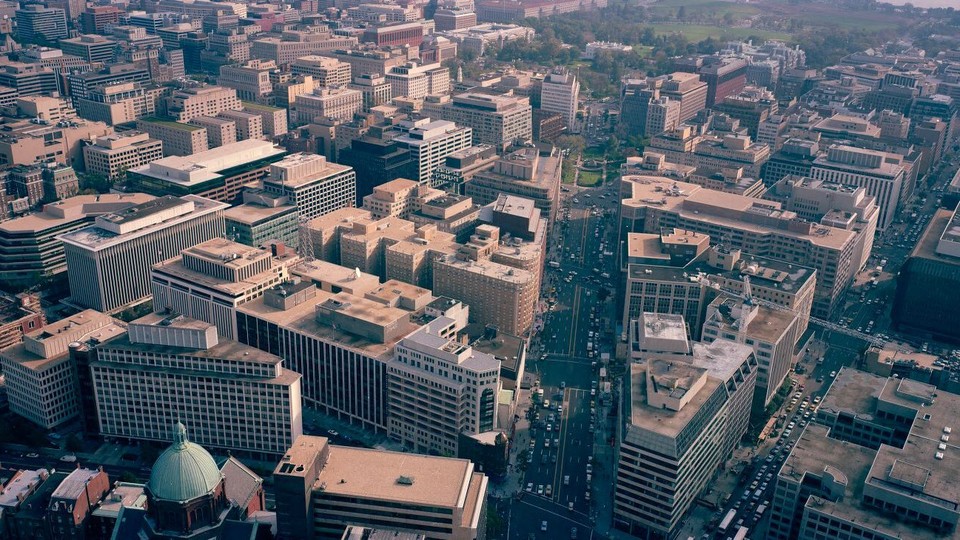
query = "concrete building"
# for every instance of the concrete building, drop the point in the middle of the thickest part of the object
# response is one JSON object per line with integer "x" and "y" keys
{"x": 498, "y": 121}
{"x": 40, "y": 25}
{"x": 312, "y": 184}
{"x": 370, "y": 59}
{"x": 524, "y": 173}
{"x": 292, "y": 45}
{"x": 795, "y": 157}
{"x": 29, "y": 247}
{"x": 560, "y": 93}
{"x": 91, "y": 47}
{"x": 190, "y": 102}
{"x": 41, "y": 379}
{"x": 273, "y": 119}
{"x": 724, "y": 75}
{"x": 94, "y": 19}
{"x": 109, "y": 262}
{"x": 336, "y": 103}
{"x": 323, "y": 489}
{"x": 263, "y": 218}
{"x": 118, "y": 103}
{"x": 220, "y": 174}
{"x": 926, "y": 299}
{"x": 176, "y": 363}
{"x": 460, "y": 167}
{"x": 416, "y": 81}
{"x": 448, "y": 19}
{"x": 685, "y": 409}
{"x": 439, "y": 389}
{"x": 396, "y": 198}
{"x": 880, "y": 173}
{"x": 773, "y": 334}
{"x": 689, "y": 90}
{"x": 251, "y": 79}
{"x": 249, "y": 125}
{"x": 19, "y": 315}
{"x": 879, "y": 454}
{"x": 210, "y": 280}
{"x": 430, "y": 142}
{"x": 113, "y": 155}
{"x": 178, "y": 139}
{"x": 327, "y": 72}
{"x": 220, "y": 131}
{"x": 374, "y": 90}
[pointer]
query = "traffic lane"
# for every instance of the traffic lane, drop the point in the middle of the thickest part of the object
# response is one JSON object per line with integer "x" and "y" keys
{"x": 535, "y": 510}
{"x": 577, "y": 449}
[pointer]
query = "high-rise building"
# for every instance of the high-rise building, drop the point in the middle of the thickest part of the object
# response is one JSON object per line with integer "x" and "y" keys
{"x": 114, "y": 155}
{"x": 109, "y": 262}
{"x": 880, "y": 173}
{"x": 439, "y": 389}
{"x": 927, "y": 288}
{"x": 178, "y": 139}
{"x": 323, "y": 489}
{"x": 415, "y": 81}
{"x": 325, "y": 71}
{"x": 498, "y": 121}
{"x": 430, "y": 142}
{"x": 560, "y": 93}
{"x": 689, "y": 90}
{"x": 725, "y": 76}
{"x": 210, "y": 280}
{"x": 188, "y": 103}
{"x": 167, "y": 366}
{"x": 118, "y": 103}
{"x": 755, "y": 226}
{"x": 524, "y": 173}
{"x": 95, "y": 19}
{"x": 685, "y": 410}
{"x": 335, "y": 103}
{"x": 312, "y": 184}
{"x": 41, "y": 25}
{"x": 374, "y": 89}
{"x": 41, "y": 379}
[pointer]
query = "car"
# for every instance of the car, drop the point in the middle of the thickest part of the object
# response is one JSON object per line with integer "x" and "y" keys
{"x": 543, "y": 525}
{"x": 791, "y": 425}
{"x": 68, "y": 458}
{"x": 559, "y": 409}
{"x": 586, "y": 495}
{"x": 553, "y": 458}
{"x": 33, "y": 455}
{"x": 539, "y": 489}
{"x": 333, "y": 432}
{"x": 833, "y": 374}
{"x": 817, "y": 399}
{"x": 589, "y": 468}
{"x": 570, "y": 507}
{"x": 556, "y": 442}
{"x": 548, "y": 491}
{"x": 529, "y": 487}
{"x": 820, "y": 378}
{"x": 546, "y": 443}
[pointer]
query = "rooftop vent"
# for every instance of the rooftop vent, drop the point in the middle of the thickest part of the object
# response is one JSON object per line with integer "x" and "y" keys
{"x": 405, "y": 480}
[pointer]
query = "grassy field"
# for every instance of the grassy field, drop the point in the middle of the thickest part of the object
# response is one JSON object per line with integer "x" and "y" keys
{"x": 696, "y": 33}
{"x": 568, "y": 172}
{"x": 589, "y": 178}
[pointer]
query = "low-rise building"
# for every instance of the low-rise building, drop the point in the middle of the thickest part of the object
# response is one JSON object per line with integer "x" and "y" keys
{"x": 178, "y": 139}
{"x": 113, "y": 155}
{"x": 263, "y": 218}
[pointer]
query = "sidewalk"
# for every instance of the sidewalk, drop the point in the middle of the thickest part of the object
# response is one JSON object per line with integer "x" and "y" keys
{"x": 519, "y": 441}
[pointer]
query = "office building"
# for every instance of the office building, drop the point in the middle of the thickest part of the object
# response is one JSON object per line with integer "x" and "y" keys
{"x": 261, "y": 219}
{"x": 378, "y": 159}
{"x": 335, "y": 103}
{"x": 725, "y": 76}
{"x": 560, "y": 93}
{"x": 249, "y": 125}
{"x": 94, "y": 19}
{"x": 40, "y": 25}
{"x": 498, "y": 121}
{"x": 109, "y": 262}
{"x": 251, "y": 79}
{"x": 327, "y": 72}
{"x": 374, "y": 90}
{"x": 312, "y": 184}
{"x": 880, "y": 173}
{"x": 689, "y": 90}
{"x": 273, "y": 119}
{"x": 188, "y": 103}
{"x": 178, "y": 139}
{"x": 90, "y": 47}
{"x": 210, "y": 280}
{"x": 773, "y": 334}
{"x": 524, "y": 173}
{"x": 220, "y": 131}
{"x": 430, "y": 142}
{"x": 926, "y": 298}
{"x": 795, "y": 157}
{"x": 177, "y": 363}
{"x": 323, "y": 489}
{"x": 41, "y": 379}
{"x": 370, "y": 59}
{"x": 875, "y": 469}
{"x": 761, "y": 228}
{"x": 439, "y": 389}
{"x": 448, "y": 19}
{"x": 293, "y": 45}
{"x": 685, "y": 410}
{"x": 19, "y": 315}
{"x": 460, "y": 167}
{"x": 118, "y": 103}
{"x": 113, "y": 155}
{"x": 415, "y": 81}
{"x": 220, "y": 174}
{"x": 29, "y": 247}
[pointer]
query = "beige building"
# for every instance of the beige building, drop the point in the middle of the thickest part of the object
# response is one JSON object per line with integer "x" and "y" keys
{"x": 249, "y": 124}
{"x": 251, "y": 79}
{"x": 322, "y": 489}
{"x": 178, "y": 139}
{"x": 118, "y": 103}
{"x": 560, "y": 93}
{"x": 325, "y": 71}
{"x": 374, "y": 89}
{"x": 293, "y": 45}
{"x": 499, "y": 121}
{"x": 430, "y": 142}
{"x": 274, "y": 119}
{"x": 882, "y": 174}
{"x": 188, "y": 103}
{"x": 877, "y": 469}
{"x": 687, "y": 408}
{"x": 761, "y": 228}
{"x": 372, "y": 59}
{"x": 415, "y": 81}
{"x": 113, "y": 155}
{"x": 27, "y": 142}
{"x": 395, "y": 198}
{"x": 524, "y": 173}
{"x": 41, "y": 379}
{"x": 212, "y": 278}
{"x": 258, "y": 405}
{"x": 336, "y": 103}
{"x": 220, "y": 131}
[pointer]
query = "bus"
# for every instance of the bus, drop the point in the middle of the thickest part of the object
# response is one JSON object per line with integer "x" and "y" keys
{"x": 760, "y": 510}
{"x": 553, "y": 264}
{"x": 741, "y": 533}
{"x": 727, "y": 520}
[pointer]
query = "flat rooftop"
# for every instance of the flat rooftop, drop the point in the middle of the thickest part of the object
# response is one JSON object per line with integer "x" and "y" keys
{"x": 210, "y": 164}
{"x": 663, "y": 422}
{"x": 396, "y": 476}
{"x": 254, "y": 214}
{"x": 926, "y": 247}
{"x": 73, "y": 209}
{"x": 854, "y": 391}
{"x": 815, "y": 451}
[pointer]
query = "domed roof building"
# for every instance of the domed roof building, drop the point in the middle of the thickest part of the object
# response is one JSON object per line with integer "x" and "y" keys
{"x": 188, "y": 498}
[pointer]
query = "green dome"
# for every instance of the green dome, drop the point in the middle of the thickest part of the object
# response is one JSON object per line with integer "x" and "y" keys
{"x": 183, "y": 472}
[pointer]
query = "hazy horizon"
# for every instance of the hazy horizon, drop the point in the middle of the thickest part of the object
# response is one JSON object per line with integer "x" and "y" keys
{"x": 924, "y": 3}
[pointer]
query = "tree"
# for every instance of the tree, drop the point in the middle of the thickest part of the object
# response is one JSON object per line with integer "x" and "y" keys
{"x": 574, "y": 143}
{"x": 682, "y": 13}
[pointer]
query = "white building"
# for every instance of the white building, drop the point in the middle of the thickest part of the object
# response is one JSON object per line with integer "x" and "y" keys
{"x": 41, "y": 379}
{"x": 325, "y": 71}
{"x": 336, "y": 103}
{"x": 313, "y": 184}
{"x": 559, "y": 94}
{"x": 109, "y": 262}
{"x": 880, "y": 173}
{"x": 113, "y": 155}
{"x": 439, "y": 388}
{"x": 168, "y": 367}
{"x": 211, "y": 279}
{"x": 430, "y": 142}
{"x": 417, "y": 82}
